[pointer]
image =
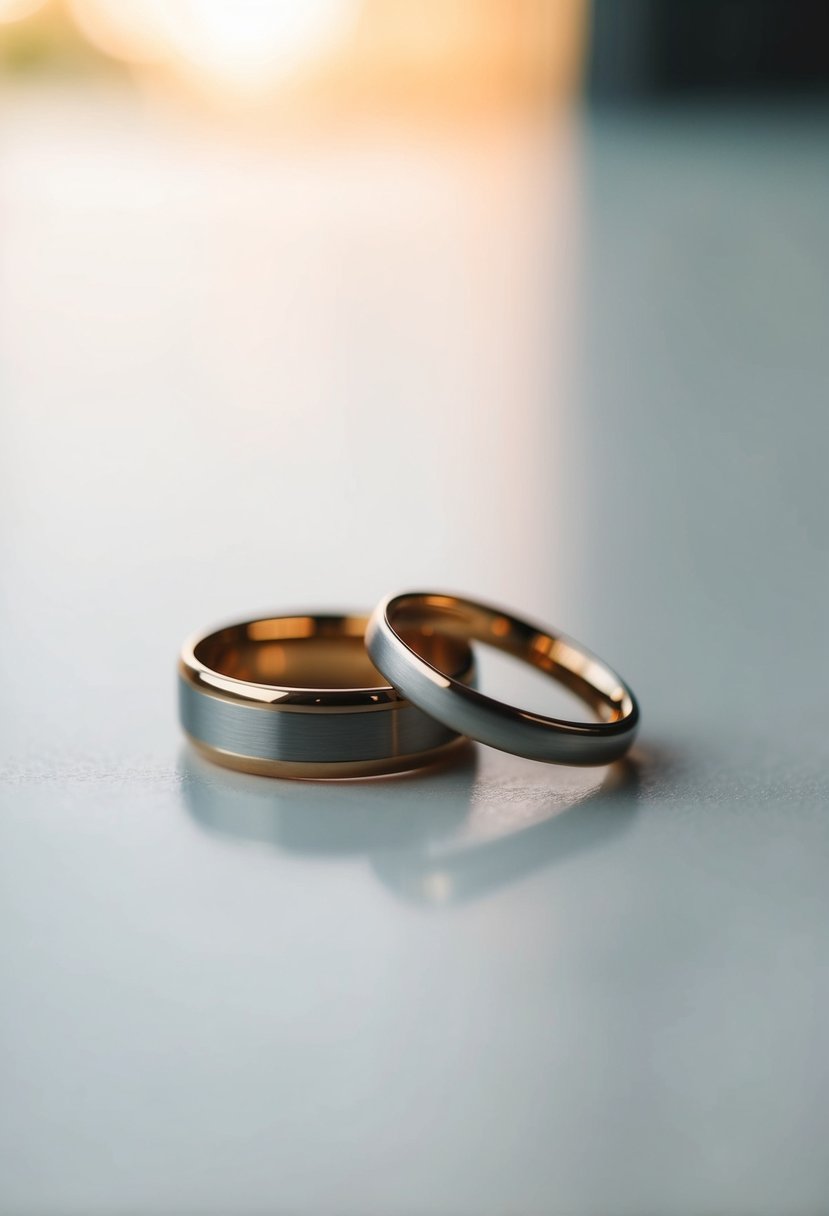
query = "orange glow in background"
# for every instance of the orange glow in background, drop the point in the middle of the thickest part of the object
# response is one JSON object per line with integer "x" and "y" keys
{"x": 406, "y": 258}
{"x": 342, "y": 54}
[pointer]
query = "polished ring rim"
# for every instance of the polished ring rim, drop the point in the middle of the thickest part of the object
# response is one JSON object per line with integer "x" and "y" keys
{"x": 284, "y": 697}
{"x": 486, "y": 719}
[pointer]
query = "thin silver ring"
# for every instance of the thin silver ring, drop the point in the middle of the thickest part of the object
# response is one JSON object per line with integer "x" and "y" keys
{"x": 297, "y": 696}
{"x": 470, "y": 712}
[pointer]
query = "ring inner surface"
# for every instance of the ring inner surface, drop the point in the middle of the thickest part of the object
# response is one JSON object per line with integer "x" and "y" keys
{"x": 446, "y": 616}
{"x": 316, "y": 653}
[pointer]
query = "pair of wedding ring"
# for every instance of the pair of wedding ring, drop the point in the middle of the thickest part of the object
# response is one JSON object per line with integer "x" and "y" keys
{"x": 307, "y": 695}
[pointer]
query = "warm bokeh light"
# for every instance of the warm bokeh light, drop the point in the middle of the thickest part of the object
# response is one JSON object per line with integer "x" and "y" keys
{"x": 16, "y": 10}
{"x": 244, "y": 46}
{"x": 133, "y": 30}
{"x": 247, "y": 45}
{"x": 296, "y": 60}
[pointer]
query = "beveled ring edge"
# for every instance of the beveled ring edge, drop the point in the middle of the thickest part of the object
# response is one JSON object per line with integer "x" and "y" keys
{"x": 387, "y": 766}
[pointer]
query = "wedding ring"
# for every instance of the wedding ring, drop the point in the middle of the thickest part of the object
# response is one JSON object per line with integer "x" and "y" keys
{"x": 297, "y": 696}
{"x": 435, "y": 690}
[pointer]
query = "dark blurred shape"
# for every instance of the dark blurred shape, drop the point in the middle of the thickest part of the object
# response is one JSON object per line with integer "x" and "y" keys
{"x": 660, "y": 48}
{"x": 47, "y": 42}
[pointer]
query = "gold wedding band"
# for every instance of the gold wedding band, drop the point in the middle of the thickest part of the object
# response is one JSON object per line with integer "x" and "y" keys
{"x": 298, "y": 696}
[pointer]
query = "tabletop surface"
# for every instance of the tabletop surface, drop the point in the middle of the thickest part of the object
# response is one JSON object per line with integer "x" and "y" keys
{"x": 579, "y": 368}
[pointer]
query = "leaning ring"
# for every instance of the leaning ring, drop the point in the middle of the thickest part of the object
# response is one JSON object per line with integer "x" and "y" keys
{"x": 438, "y": 693}
{"x": 297, "y": 696}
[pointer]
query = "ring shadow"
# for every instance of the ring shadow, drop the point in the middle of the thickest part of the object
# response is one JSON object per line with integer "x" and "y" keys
{"x": 407, "y": 826}
{"x": 477, "y": 870}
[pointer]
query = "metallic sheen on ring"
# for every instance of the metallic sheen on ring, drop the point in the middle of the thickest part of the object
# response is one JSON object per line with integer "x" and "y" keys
{"x": 463, "y": 709}
{"x": 297, "y": 696}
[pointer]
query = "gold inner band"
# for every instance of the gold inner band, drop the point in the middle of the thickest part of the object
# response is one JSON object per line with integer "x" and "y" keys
{"x": 315, "y": 652}
{"x": 557, "y": 656}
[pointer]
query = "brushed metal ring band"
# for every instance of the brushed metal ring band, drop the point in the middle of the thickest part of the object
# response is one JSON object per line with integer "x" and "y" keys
{"x": 439, "y": 694}
{"x": 297, "y": 696}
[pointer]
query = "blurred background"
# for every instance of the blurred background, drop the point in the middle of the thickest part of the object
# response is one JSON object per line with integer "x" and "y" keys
{"x": 351, "y": 56}
{"x": 304, "y": 301}
{"x": 392, "y": 55}
{"x": 283, "y": 285}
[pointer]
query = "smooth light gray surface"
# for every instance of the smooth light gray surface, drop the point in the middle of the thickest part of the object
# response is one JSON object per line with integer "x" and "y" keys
{"x": 581, "y": 370}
